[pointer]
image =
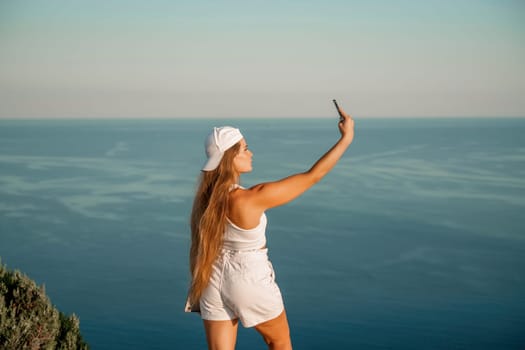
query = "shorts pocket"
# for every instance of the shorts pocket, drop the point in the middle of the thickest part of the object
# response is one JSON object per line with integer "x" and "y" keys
{"x": 272, "y": 272}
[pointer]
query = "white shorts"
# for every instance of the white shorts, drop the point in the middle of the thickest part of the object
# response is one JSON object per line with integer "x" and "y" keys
{"x": 242, "y": 285}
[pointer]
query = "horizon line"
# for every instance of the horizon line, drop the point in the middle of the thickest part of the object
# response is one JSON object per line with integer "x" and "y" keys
{"x": 259, "y": 118}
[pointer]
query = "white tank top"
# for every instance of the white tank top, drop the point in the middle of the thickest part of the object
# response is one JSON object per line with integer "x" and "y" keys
{"x": 236, "y": 238}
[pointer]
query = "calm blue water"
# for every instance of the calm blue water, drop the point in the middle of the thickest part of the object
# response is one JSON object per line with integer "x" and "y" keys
{"x": 416, "y": 240}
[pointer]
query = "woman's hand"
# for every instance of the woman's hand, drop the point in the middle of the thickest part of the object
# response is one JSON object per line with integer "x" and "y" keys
{"x": 346, "y": 125}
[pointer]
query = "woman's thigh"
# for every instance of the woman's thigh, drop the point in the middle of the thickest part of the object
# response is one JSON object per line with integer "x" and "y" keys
{"x": 221, "y": 335}
{"x": 276, "y": 332}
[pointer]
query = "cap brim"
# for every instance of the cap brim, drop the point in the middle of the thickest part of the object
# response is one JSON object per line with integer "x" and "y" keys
{"x": 213, "y": 162}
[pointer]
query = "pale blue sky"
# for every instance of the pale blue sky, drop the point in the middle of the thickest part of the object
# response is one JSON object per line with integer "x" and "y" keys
{"x": 118, "y": 58}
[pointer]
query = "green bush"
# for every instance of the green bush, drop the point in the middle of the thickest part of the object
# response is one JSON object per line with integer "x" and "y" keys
{"x": 28, "y": 320}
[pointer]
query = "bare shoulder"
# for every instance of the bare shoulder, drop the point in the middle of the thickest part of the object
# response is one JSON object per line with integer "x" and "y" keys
{"x": 244, "y": 198}
{"x": 239, "y": 195}
{"x": 243, "y": 210}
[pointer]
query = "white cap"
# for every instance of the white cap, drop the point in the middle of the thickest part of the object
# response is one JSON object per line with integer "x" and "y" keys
{"x": 217, "y": 142}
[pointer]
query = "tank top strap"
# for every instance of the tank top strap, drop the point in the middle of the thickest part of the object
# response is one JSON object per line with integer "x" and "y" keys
{"x": 235, "y": 186}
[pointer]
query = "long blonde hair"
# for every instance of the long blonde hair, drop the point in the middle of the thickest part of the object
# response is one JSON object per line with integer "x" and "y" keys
{"x": 208, "y": 220}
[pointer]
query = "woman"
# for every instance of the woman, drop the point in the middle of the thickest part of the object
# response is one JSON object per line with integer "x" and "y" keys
{"x": 232, "y": 278}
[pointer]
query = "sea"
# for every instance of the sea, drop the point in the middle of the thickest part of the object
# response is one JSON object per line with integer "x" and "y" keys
{"x": 415, "y": 240}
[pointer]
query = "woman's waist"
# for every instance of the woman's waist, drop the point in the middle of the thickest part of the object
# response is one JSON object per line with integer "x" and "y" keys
{"x": 244, "y": 244}
{"x": 245, "y": 254}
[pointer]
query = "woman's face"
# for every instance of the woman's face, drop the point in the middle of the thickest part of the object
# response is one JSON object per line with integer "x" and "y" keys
{"x": 243, "y": 160}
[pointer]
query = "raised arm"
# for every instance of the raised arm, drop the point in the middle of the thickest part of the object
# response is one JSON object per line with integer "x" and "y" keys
{"x": 273, "y": 194}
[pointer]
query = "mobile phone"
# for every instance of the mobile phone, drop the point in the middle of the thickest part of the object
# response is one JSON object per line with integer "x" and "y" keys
{"x": 336, "y": 106}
